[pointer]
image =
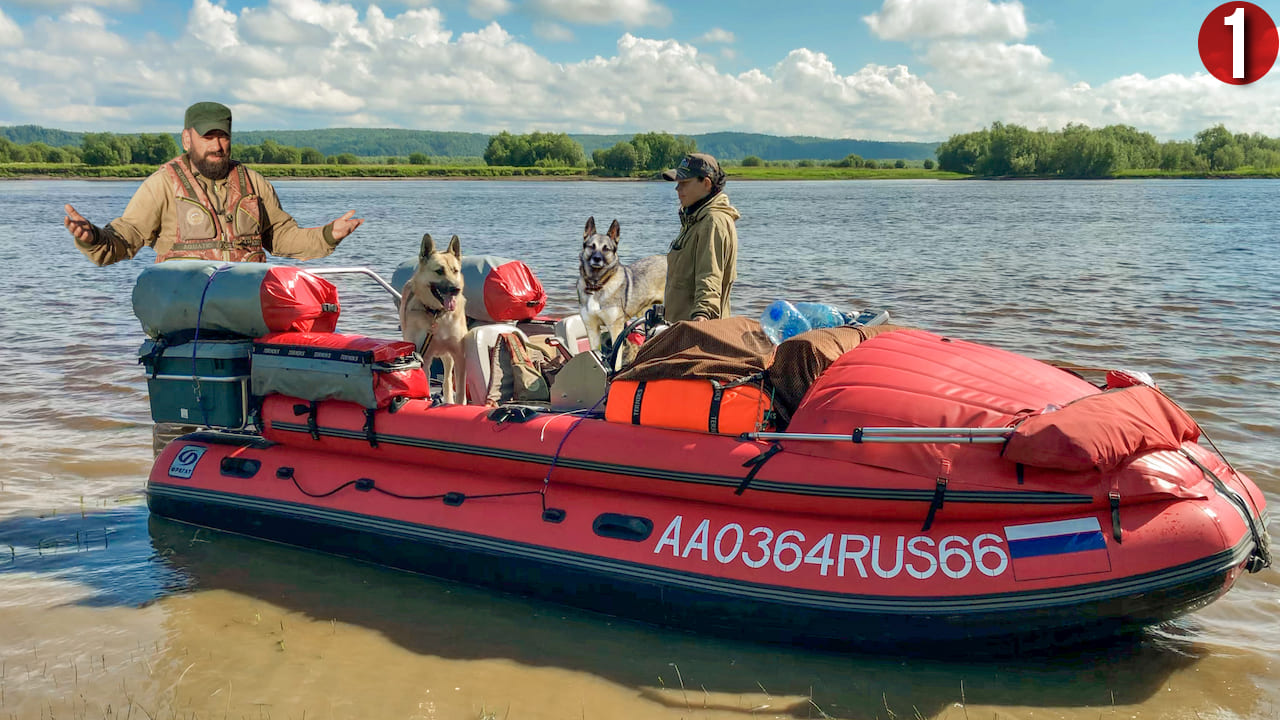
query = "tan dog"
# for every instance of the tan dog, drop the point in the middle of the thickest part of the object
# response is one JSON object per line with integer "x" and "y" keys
{"x": 432, "y": 313}
{"x": 611, "y": 294}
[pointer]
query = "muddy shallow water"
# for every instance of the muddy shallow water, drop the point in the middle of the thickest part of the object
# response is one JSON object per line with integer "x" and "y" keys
{"x": 107, "y": 612}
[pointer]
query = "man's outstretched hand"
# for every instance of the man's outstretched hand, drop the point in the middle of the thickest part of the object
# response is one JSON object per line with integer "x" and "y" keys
{"x": 82, "y": 230}
{"x": 342, "y": 227}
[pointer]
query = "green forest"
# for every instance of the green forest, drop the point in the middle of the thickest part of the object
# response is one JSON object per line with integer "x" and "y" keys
{"x": 383, "y": 143}
{"x": 1078, "y": 151}
{"x": 1001, "y": 150}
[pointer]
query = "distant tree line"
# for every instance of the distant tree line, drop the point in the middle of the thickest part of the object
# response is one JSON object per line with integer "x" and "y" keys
{"x": 388, "y": 142}
{"x": 643, "y": 152}
{"x": 1078, "y": 151}
{"x": 108, "y": 149}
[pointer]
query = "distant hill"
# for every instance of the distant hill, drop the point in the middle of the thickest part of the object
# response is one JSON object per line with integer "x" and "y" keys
{"x": 27, "y": 134}
{"x": 375, "y": 142}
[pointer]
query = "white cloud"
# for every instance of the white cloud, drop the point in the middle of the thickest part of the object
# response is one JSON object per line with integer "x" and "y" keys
{"x": 270, "y": 25}
{"x": 84, "y": 30}
{"x": 10, "y": 33}
{"x": 54, "y": 4}
{"x": 488, "y": 9}
{"x": 300, "y": 93}
{"x": 323, "y": 63}
{"x": 631, "y": 13}
{"x": 81, "y": 15}
{"x": 918, "y": 19}
{"x": 717, "y": 35}
{"x": 552, "y": 32}
{"x": 993, "y": 68}
{"x": 212, "y": 25}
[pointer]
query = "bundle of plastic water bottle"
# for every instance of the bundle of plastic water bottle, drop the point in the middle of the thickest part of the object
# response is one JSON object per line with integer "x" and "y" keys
{"x": 783, "y": 319}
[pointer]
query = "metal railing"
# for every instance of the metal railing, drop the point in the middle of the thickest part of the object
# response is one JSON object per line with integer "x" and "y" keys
{"x": 359, "y": 271}
{"x": 897, "y": 435}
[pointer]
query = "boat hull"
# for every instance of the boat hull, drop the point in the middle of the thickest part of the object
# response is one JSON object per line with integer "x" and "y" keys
{"x": 831, "y": 581}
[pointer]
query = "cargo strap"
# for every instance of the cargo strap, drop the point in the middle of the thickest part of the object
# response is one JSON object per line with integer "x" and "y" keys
{"x": 369, "y": 433}
{"x": 755, "y": 464}
{"x": 636, "y": 402}
{"x": 713, "y": 416}
{"x": 939, "y": 492}
{"x": 1261, "y": 557}
{"x": 313, "y": 410}
{"x": 1113, "y": 499}
{"x": 153, "y": 358}
{"x": 717, "y": 396}
{"x": 195, "y": 343}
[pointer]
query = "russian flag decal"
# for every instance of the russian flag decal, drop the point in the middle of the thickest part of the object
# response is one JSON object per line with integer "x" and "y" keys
{"x": 1057, "y": 549}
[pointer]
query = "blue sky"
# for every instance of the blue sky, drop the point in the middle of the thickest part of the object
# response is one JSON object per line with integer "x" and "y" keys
{"x": 873, "y": 69}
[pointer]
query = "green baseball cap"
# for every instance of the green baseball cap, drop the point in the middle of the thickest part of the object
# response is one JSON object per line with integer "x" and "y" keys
{"x": 205, "y": 117}
{"x": 696, "y": 165}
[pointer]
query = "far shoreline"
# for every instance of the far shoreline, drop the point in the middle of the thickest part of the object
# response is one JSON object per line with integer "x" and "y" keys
{"x": 49, "y": 171}
{"x": 25, "y": 171}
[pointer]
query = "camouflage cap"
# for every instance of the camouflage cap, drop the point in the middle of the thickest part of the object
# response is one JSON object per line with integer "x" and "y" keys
{"x": 205, "y": 117}
{"x": 696, "y": 165}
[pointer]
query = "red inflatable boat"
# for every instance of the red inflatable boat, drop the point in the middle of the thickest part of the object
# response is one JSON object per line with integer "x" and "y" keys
{"x": 927, "y": 493}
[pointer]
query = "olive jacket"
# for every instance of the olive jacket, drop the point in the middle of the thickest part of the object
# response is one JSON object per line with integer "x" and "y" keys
{"x": 702, "y": 262}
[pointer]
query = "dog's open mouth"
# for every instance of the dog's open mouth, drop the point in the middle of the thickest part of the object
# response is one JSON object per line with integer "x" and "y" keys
{"x": 448, "y": 296}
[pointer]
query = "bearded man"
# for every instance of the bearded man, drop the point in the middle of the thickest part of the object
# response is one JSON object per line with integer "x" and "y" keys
{"x": 204, "y": 205}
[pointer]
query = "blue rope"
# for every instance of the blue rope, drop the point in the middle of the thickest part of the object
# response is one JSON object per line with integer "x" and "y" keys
{"x": 546, "y": 481}
{"x": 195, "y": 345}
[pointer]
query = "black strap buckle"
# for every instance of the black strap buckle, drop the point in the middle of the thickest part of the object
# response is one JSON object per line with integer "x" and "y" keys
{"x": 939, "y": 492}
{"x": 755, "y": 464}
{"x": 369, "y": 433}
{"x": 1114, "y": 496}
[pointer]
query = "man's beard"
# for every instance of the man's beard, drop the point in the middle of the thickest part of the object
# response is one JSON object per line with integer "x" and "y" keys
{"x": 212, "y": 168}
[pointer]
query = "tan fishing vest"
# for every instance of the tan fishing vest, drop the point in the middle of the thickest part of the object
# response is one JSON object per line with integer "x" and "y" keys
{"x": 203, "y": 234}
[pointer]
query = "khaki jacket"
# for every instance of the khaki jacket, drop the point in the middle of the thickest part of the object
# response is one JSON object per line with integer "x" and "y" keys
{"x": 150, "y": 220}
{"x": 702, "y": 262}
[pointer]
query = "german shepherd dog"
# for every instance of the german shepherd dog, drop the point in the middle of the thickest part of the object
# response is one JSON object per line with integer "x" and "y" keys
{"x": 611, "y": 294}
{"x": 432, "y": 313}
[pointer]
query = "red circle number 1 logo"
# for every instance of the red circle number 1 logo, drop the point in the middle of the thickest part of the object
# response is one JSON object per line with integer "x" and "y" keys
{"x": 1238, "y": 42}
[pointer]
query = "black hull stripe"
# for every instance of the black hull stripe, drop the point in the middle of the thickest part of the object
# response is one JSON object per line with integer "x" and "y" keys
{"x": 774, "y": 486}
{"x": 1160, "y": 580}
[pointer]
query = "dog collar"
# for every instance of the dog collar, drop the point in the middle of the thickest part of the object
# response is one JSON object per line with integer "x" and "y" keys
{"x": 593, "y": 287}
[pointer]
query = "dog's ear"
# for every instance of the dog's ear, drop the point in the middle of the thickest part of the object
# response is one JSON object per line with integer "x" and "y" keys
{"x": 614, "y": 231}
{"x": 427, "y": 248}
{"x": 591, "y": 228}
{"x": 455, "y": 247}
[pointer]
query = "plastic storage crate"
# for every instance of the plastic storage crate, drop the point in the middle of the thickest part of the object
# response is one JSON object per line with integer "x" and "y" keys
{"x": 202, "y": 383}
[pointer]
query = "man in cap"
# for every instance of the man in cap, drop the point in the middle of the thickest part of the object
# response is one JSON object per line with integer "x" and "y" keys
{"x": 204, "y": 205}
{"x": 702, "y": 262}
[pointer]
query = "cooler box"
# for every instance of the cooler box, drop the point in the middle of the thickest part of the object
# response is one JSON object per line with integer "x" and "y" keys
{"x": 200, "y": 383}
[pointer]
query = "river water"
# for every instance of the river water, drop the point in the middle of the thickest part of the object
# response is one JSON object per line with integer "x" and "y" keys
{"x": 108, "y": 613}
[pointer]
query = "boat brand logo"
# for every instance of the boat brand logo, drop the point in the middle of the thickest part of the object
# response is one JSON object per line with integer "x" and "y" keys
{"x": 184, "y": 463}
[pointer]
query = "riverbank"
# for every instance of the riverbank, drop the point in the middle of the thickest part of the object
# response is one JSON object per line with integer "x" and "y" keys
{"x": 55, "y": 171}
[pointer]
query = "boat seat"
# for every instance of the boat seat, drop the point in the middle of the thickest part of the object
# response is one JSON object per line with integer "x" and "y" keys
{"x": 572, "y": 333}
{"x": 476, "y": 348}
